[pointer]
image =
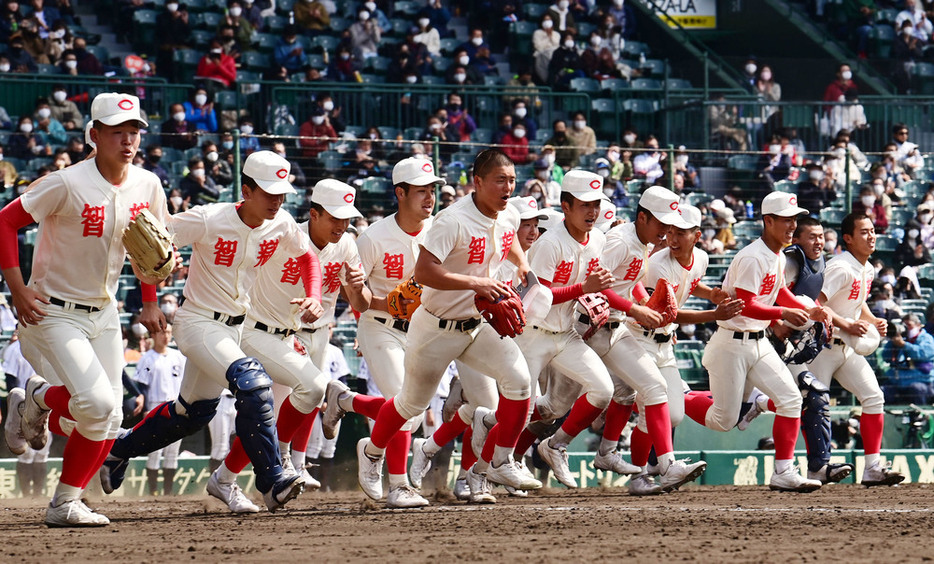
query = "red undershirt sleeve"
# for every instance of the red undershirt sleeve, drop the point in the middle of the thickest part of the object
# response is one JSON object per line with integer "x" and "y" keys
{"x": 564, "y": 293}
{"x": 788, "y": 299}
{"x": 12, "y": 218}
{"x": 756, "y": 310}
{"x": 149, "y": 292}
{"x": 617, "y": 301}
{"x": 639, "y": 293}
{"x": 311, "y": 275}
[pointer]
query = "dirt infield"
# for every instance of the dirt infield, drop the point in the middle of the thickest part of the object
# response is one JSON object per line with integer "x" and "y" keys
{"x": 708, "y": 523}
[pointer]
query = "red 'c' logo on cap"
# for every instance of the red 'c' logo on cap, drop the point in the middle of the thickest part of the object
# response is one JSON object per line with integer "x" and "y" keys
{"x": 609, "y": 214}
{"x": 282, "y": 173}
{"x": 533, "y": 204}
{"x": 674, "y": 206}
{"x": 348, "y": 197}
{"x": 793, "y": 200}
{"x": 426, "y": 167}
{"x": 125, "y": 104}
{"x": 596, "y": 184}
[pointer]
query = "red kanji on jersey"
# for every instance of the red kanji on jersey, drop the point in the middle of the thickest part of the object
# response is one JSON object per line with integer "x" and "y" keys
{"x": 224, "y": 252}
{"x": 694, "y": 284}
{"x": 854, "y": 291}
{"x": 394, "y": 265}
{"x": 768, "y": 284}
{"x": 508, "y": 238}
{"x": 634, "y": 268}
{"x": 477, "y": 250}
{"x": 332, "y": 281}
{"x": 290, "y": 272}
{"x": 93, "y": 221}
{"x": 563, "y": 272}
{"x": 592, "y": 265}
{"x": 136, "y": 208}
{"x": 266, "y": 250}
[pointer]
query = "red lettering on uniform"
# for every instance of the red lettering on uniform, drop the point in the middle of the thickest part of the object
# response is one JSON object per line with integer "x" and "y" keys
{"x": 563, "y": 272}
{"x": 508, "y": 238}
{"x": 224, "y": 252}
{"x": 694, "y": 284}
{"x": 633, "y": 270}
{"x": 93, "y": 221}
{"x": 394, "y": 265}
{"x": 592, "y": 265}
{"x": 291, "y": 273}
{"x": 854, "y": 291}
{"x": 136, "y": 208}
{"x": 768, "y": 284}
{"x": 332, "y": 281}
{"x": 266, "y": 250}
{"x": 477, "y": 250}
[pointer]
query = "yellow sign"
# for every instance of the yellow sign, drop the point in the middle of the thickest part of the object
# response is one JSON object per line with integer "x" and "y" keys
{"x": 690, "y": 14}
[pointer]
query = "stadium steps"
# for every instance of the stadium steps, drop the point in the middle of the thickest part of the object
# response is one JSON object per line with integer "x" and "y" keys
{"x": 91, "y": 23}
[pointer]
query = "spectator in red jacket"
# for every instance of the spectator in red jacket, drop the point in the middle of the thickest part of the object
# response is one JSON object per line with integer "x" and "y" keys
{"x": 217, "y": 66}
{"x": 516, "y": 145}
{"x": 836, "y": 90}
{"x": 315, "y": 134}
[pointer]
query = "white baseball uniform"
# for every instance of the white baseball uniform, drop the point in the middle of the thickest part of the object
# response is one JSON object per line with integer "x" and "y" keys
{"x": 162, "y": 375}
{"x": 846, "y": 287}
{"x": 738, "y": 356}
{"x": 335, "y": 366}
{"x": 14, "y": 363}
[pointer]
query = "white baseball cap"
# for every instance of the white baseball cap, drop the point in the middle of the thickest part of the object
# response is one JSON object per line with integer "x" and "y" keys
{"x": 527, "y": 207}
{"x": 808, "y": 303}
{"x": 583, "y": 185}
{"x": 607, "y": 215}
{"x": 415, "y": 171}
{"x": 781, "y": 204}
{"x": 552, "y": 219}
{"x": 270, "y": 171}
{"x": 663, "y": 204}
{"x": 865, "y": 344}
{"x": 690, "y": 215}
{"x": 111, "y": 108}
{"x": 335, "y": 197}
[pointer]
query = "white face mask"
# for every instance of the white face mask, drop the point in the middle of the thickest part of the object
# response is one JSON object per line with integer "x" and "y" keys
{"x": 605, "y": 172}
{"x": 211, "y": 156}
{"x": 197, "y": 172}
{"x": 26, "y": 128}
{"x": 176, "y": 201}
{"x": 246, "y": 129}
{"x": 775, "y": 149}
{"x": 750, "y": 69}
{"x": 236, "y": 11}
{"x": 550, "y": 158}
{"x": 364, "y": 16}
{"x": 925, "y": 217}
{"x": 478, "y": 41}
{"x": 4, "y": 67}
{"x": 59, "y": 96}
{"x": 629, "y": 138}
{"x": 345, "y": 56}
{"x": 613, "y": 155}
{"x": 518, "y": 133}
{"x": 878, "y": 189}
{"x": 168, "y": 308}
{"x": 596, "y": 40}
{"x": 328, "y": 105}
{"x": 463, "y": 60}
{"x": 868, "y": 201}
{"x": 569, "y": 43}
{"x": 829, "y": 246}
{"x": 914, "y": 332}
{"x": 371, "y": 6}
{"x": 201, "y": 99}
{"x": 423, "y": 22}
{"x": 43, "y": 113}
{"x": 580, "y": 124}
{"x": 618, "y": 3}
{"x": 541, "y": 174}
{"x": 563, "y": 4}
{"x": 138, "y": 329}
{"x": 435, "y": 127}
{"x": 521, "y": 112}
{"x": 913, "y": 233}
{"x": 547, "y": 24}
{"x": 846, "y": 75}
{"x": 411, "y": 79}
{"x": 460, "y": 77}
{"x": 317, "y": 120}
{"x": 71, "y": 64}
{"x": 179, "y": 116}
{"x": 172, "y": 7}
{"x": 681, "y": 160}
{"x": 816, "y": 175}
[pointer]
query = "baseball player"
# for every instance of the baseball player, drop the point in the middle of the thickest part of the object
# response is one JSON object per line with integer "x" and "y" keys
{"x": 159, "y": 373}
{"x": 231, "y": 244}
{"x": 82, "y": 212}
{"x": 221, "y": 428}
{"x": 466, "y": 244}
{"x": 31, "y": 465}
{"x": 738, "y": 356}
{"x": 682, "y": 264}
{"x": 388, "y": 250}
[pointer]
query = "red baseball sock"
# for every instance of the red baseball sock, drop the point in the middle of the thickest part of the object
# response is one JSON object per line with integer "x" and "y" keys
{"x": 397, "y": 452}
{"x": 468, "y": 458}
{"x": 785, "y": 433}
{"x": 658, "y": 423}
{"x": 237, "y": 458}
{"x": 57, "y": 398}
{"x": 93, "y": 470}
{"x": 489, "y": 447}
{"x": 870, "y": 427}
{"x": 388, "y": 422}
{"x": 290, "y": 420}
{"x": 79, "y": 458}
{"x": 617, "y": 415}
{"x": 368, "y": 406}
{"x": 303, "y": 433}
{"x": 449, "y": 431}
{"x": 526, "y": 440}
{"x": 582, "y": 415}
{"x": 640, "y": 445}
{"x": 510, "y": 416}
{"x": 696, "y": 406}
{"x": 771, "y": 406}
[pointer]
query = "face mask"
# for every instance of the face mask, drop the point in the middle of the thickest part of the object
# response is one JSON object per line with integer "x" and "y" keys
{"x": 518, "y": 133}
{"x": 154, "y": 159}
{"x": 138, "y": 329}
{"x": 1, "y": 157}
{"x": 681, "y": 160}
{"x": 914, "y": 332}
{"x": 463, "y": 60}
{"x": 550, "y": 158}
{"x": 227, "y": 145}
{"x": 536, "y": 194}
{"x": 750, "y": 69}
{"x": 364, "y": 16}
{"x": 478, "y": 41}
{"x": 246, "y": 129}
{"x": 171, "y": 7}
{"x": 423, "y": 22}
{"x": 541, "y": 174}
{"x": 317, "y": 120}
{"x": 521, "y": 112}
{"x": 846, "y": 75}
{"x": 211, "y": 156}
{"x": 913, "y": 233}
{"x": 71, "y": 64}
{"x": 371, "y": 6}
{"x": 201, "y": 99}
{"x": 176, "y": 201}
{"x": 435, "y": 127}
{"x": 580, "y": 124}
{"x": 411, "y": 79}
{"x": 58, "y": 34}
{"x": 236, "y": 11}
{"x": 547, "y": 24}
{"x": 605, "y": 172}
{"x": 888, "y": 279}
{"x": 345, "y": 56}
{"x": 26, "y": 128}
{"x": 618, "y": 3}
{"x": 816, "y": 175}
{"x": 569, "y": 44}
{"x": 709, "y": 233}
{"x": 44, "y": 113}
{"x": 868, "y": 201}
{"x": 613, "y": 156}
{"x": 216, "y": 51}
{"x": 460, "y": 77}
{"x": 766, "y": 76}
{"x": 878, "y": 189}
{"x": 629, "y": 138}
{"x": 829, "y": 246}
{"x": 59, "y": 96}
{"x": 563, "y": 4}
{"x": 5, "y": 67}
{"x": 179, "y": 116}
{"x": 596, "y": 40}
{"x": 197, "y": 172}
{"x": 328, "y": 105}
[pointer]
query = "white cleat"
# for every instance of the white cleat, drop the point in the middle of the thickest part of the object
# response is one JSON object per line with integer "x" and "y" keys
{"x": 35, "y": 420}
{"x": 231, "y": 494}
{"x": 404, "y": 496}
{"x": 289, "y": 487}
{"x": 480, "y": 430}
{"x": 642, "y": 485}
{"x": 461, "y": 489}
{"x": 453, "y": 402}
{"x": 513, "y": 492}
{"x": 613, "y": 462}
{"x": 760, "y": 404}
{"x": 831, "y": 473}
{"x": 13, "y": 426}
{"x": 288, "y": 468}
{"x": 680, "y": 473}
{"x": 879, "y": 475}
{"x": 511, "y": 475}
{"x": 557, "y": 458}
{"x": 421, "y": 462}
{"x": 792, "y": 481}
{"x": 74, "y": 513}
{"x": 369, "y": 471}
{"x": 331, "y": 418}
{"x": 310, "y": 482}
{"x": 480, "y": 489}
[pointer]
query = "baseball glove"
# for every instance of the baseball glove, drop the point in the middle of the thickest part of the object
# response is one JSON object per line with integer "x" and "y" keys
{"x": 149, "y": 245}
{"x": 597, "y": 309}
{"x": 395, "y": 301}
{"x": 505, "y": 314}
{"x": 663, "y": 301}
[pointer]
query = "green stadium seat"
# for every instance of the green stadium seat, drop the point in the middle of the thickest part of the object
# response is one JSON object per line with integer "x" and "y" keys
{"x": 646, "y": 84}
{"x": 678, "y": 84}
{"x": 585, "y": 85}
{"x": 832, "y": 216}
{"x": 210, "y": 20}
{"x": 632, "y": 49}
{"x": 265, "y": 42}
{"x": 534, "y": 11}
{"x": 614, "y": 84}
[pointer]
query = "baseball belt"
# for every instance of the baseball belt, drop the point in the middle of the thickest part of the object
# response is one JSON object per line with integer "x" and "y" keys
{"x": 612, "y": 325}
{"x": 459, "y": 324}
{"x": 72, "y": 305}
{"x": 228, "y": 320}
{"x": 751, "y": 335}
{"x": 274, "y": 330}
{"x": 397, "y": 324}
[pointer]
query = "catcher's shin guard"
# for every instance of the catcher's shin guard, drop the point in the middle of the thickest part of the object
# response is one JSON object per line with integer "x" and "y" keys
{"x": 255, "y": 421}
{"x": 163, "y": 426}
{"x": 815, "y": 420}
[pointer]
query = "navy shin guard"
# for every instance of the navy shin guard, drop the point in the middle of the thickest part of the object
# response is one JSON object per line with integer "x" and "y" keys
{"x": 255, "y": 421}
